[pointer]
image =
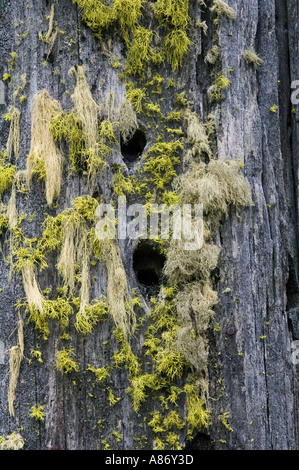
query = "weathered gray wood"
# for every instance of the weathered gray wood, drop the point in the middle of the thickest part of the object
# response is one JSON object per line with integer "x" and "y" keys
{"x": 251, "y": 374}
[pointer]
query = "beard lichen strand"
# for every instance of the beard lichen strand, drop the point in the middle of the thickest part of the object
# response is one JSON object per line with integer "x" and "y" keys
{"x": 74, "y": 232}
{"x": 15, "y": 359}
{"x": 194, "y": 305}
{"x": 127, "y": 121}
{"x": 51, "y": 36}
{"x": 216, "y": 186}
{"x": 85, "y": 107}
{"x": 13, "y": 141}
{"x": 44, "y": 156}
{"x": 117, "y": 290}
{"x": 32, "y": 290}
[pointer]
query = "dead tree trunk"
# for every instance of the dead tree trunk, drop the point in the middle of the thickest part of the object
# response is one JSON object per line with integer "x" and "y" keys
{"x": 138, "y": 344}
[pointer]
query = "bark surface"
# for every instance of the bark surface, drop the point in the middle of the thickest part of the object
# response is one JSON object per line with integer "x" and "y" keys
{"x": 253, "y": 383}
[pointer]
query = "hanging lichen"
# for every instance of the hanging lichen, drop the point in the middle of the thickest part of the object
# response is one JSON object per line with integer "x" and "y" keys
{"x": 13, "y": 141}
{"x": 16, "y": 354}
{"x": 118, "y": 292}
{"x": 50, "y": 37}
{"x": 44, "y": 155}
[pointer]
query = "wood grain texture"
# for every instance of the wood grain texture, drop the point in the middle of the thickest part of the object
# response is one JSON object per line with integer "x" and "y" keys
{"x": 251, "y": 374}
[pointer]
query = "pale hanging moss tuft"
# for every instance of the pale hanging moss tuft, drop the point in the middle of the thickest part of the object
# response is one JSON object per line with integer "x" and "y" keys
{"x": 15, "y": 359}
{"x": 12, "y": 442}
{"x": 251, "y": 57}
{"x": 12, "y": 212}
{"x": 44, "y": 156}
{"x": 127, "y": 121}
{"x": 220, "y": 8}
{"x": 118, "y": 293}
{"x": 74, "y": 232}
{"x": 213, "y": 55}
{"x": 32, "y": 290}
{"x": 194, "y": 305}
{"x": 197, "y": 138}
{"x": 13, "y": 141}
{"x": 51, "y": 36}
{"x": 186, "y": 265}
{"x": 215, "y": 185}
{"x": 85, "y": 107}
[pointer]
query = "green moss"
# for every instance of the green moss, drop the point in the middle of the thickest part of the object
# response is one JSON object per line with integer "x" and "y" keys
{"x": 12, "y": 60}
{"x": 160, "y": 162}
{"x": 101, "y": 373}
{"x": 170, "y": 362}
{"x": 85, "y": 206}
{"x": 140, "y": 51}
{"x": 107, "y": 132}
{"x": 99, "y": 16}
{"x": 125, "y": 355}
{"x": 174, "y": 116}
{"x": 154, "y": 108}
{"x": 174, "y": 15}
{"x": 216, "y": 91}
{"x": 37, "y": 413}
{"x": 112, "y": 398}
{"x": 37, "y": 355}
{"x": 7, "y": 78}
{"x": 7, "y": 173}
{"x": 135, "y": 95}
{"x": 65, "y": 361}
{"x": 224, "y": 420}
{"x": 166, "y": 430}
{"x": 96, "y": 14}
{"x": 96, "y": 161}
{"x": 176, "y": 45}
{"x": 197, "y": 415}
{"x": 60, "y": 309}
{"x": 123, "y": 185}
{"x": 68, "y": 126}
{"x": 3, "y": 223}
{"x": 139, "y": 388}
{"x": 91, "y": 314}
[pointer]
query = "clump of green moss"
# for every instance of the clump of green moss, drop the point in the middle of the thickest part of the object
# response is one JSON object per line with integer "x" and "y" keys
{"x": 198, "y": 416}
{"x": 7, "y": 173}
{"x": 216, "y": 91}
{"x": 101, "y": 373}
{"x": 175, "y": 16}
{"x": 68, "y": 126}
{"x": 37, "y": 412}
{"x": 160, "y": 162}
{"x": 140, "y": 51}
{"x": 65, "y": 361}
